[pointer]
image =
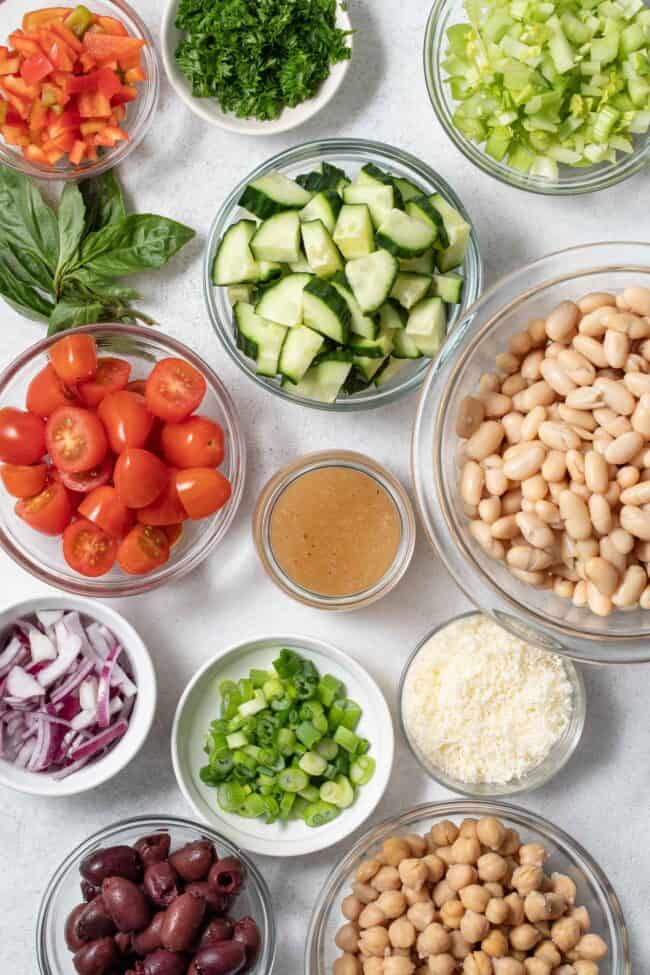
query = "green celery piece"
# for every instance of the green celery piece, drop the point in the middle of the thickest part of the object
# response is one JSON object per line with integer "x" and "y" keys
{"x": 329, "y": 688}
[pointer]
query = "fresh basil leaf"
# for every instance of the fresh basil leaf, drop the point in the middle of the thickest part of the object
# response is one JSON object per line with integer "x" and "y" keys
{"x": 27, "y": 268}
{"x": 20, "y": 294}
{"x": 72, "y": 217}
{"x": 83, "y": 282}
{"x": 26, "y": 221}
{"x": 104, "y": 201}
{"x": 70, "y": 313}
{"x": 136, "y": 243}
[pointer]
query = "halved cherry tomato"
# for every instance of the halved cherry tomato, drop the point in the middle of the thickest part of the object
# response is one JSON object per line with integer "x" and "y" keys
{"x": 173, "y": 533}
{"x": 22, "y": 436}
{"x": 202, "y": 491}
{"x": 104, "y": 508}
{"x": 166, "y": 509}
{"x": 49, "y": 512}
{"x": 85, "y": 481}
{"x": 76, "y": 440}
{"x": 22, "y": 480}
{"x": 46, "y": 392}
{"x": 126, "y": 418}
{"x": 74, "y": 358}
{"x": 144, "y": 549}
{"x": 139, "y": 477}
{"x": 111, "y": 376}
{"x": 87, "y": 549}
{"x": 196, "y": 442}
{"x": 174, "y": 389}
{"x": 137, "y": 386}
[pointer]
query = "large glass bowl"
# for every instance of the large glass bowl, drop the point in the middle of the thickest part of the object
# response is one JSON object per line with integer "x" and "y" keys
{"x": 566, "y": 856}
{"x": 41, "y": 554}
{"x": 350, "y": 155}
{"x": 139, "y": 114}
{"x": 586, "y": 179}
{"x": 62, "y": 892}
{"x": 538, "y": 616}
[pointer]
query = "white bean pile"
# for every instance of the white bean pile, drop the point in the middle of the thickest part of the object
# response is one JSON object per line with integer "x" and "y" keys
{"x": 555, "y": 459}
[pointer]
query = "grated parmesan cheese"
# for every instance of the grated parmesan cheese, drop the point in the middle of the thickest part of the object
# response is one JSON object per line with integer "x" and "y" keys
{"x": 483, "y": 705}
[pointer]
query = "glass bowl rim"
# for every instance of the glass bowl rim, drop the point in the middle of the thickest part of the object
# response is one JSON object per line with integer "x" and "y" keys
{"x": 571, "y": 737}
{"x": 362, "y": 147}
{"x": 440, "y": 809}
{"x": 465, "y": 331}
{"x": 152, "y": 823}
{"x": 593, "y": 180}
{"x": 150, "y": 95}
{"x": 133, "y": 585}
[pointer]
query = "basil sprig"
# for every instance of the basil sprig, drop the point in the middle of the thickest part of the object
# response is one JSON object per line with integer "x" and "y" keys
{"x": 63, "y": 268}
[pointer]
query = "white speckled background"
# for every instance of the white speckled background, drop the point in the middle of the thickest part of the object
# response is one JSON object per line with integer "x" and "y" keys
{"x": 183, "y": 169}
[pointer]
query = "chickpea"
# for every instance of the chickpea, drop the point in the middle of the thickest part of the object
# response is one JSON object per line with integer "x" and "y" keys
{"x": 367, "y": 870}
{"x": 496, "y": 944}
{"x": 475, "y": 898}
{"x": 566, "y": 933}
{"x": 565, "y": 886}
{"x": 535, "y": 966}
{"x": 584, "y": 967}
{"x": 533, "y": 853}
{"x": 416, "y": 896}
{"x": 445, "y": 854}
{"x": 442, "y": 964}
{"x": 544, "y": 928}
{"x": 466, "y": 850}
{"x": 527, "y": 878}
{"x": 435, "y": 867}
{"x": 392, "y": 904}
{"x": 401, "y": 933}
{"x": 442, "y": 893}
{"x": 515, "y": 909}
{"x": 347, "y": 965}
{"x": 398, "y": 966}
{"x": 370, "y": 917}
{"x": 494, "y": 889}
{"x": 467, "y": 829}
{"x": 451, "y": 913}
{"x": 497, "y": 910}
{"x": 459, "y": 947}
{"x": 461, "y": 875}
{"x": 422, "y": 969}
{"x": 478, "y": 963}
{"x": 565, "y": 970}
{"x": 364, "y": 893}
{"x": 508, "y": 966}
{"x": 544, "y": 907}
{"x": 548, "y": 952}
{"x": 373, "y": 966}
{"x": 387, "y": 878}
{"x": 351, "y": 907}
{"x": 474, "y": 927}
{"x": 581, "y": 914}
{"x": 492, "y": 867}
{"x": 443, "y": 833}
{"x": 491, "y": 832}
{"x": 421, "y": 915}
{"x": 395, "y": 850}
{"x": 347, "y": 938}
{"x": 511, "y": 843}
{"x": 591, "y": 947}
{"x": 413, "y": 873}
{"x": 434, "y": 940}
{"x": 374, "y": 941}
{"x": 417, "y": 845}
{"x": 523, "y": 937}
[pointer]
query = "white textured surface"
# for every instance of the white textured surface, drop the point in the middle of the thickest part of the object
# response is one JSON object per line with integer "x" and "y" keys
{"x": 183, "y": 169}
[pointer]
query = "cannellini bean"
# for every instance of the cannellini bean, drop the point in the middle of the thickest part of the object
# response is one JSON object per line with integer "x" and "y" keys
{"x": 556, "y": 377}
{"x": 528, "y": 559}
{"x": 644, "y": 601}
{"x": 595, "y": 300}
{"x": 598, "y": 602}
{"x": 619, "y": 426}
{"x": 630, "y": 589}
{"x": 554, "y": 466}
{"x": 472, "y": 482}
{"x": 580, "y": 489}
{"x": 561, "y": 323}
{"x": 538, "y": 394}
{"x": 538, "y": 579}
{"x": 591, "y": 349}
{"x": 641, "y": 416}
{"x": 624, "y": 448}
{"x": 496, "y": 482}
{"x": 585, "y": 398}
{"x": 508, "y": 363}
{"x": 496, "y": 404}
{"x": 471, "y": 414}
{"x": 536, "y": 328}
{"x": 616, "y": 395}
{"x": 530, "y": 367}
{"x": 535, "y": 531}
{"x": 638, "y": 383}
{"x": 601, "y": 514}
{"x": 575, "y": 513}
{"x": 489, "y": 510}
{"x": 638, "y": 494}
{"x": 512, "y": 424}
{"x": 637, "y": 299}
{"x": 575, "y": 464}
{"x": 622, "y": 541}
{"x": 511, "y": 501}
{"x": 576, "y": 418}
{"x": 485, "y": 440}
{"x": 489, "y": 383}
{"x": 609, "y": 552}
{"x": 534, "y": 488}
{"x": 483, "y": 535}
{"x": 563, "y": 587}
{"x": 513, "y": 384}
{"x": 617, "y": 347}
{"x": 524, "y": 461}
{"x": 580, "y": 594}
{"x": 603, "y": 575}
{"x": 532, "y": 422}
{"x": 520, "y": 343}
{"x": 558, "y": 436}
{"x": 505, "y": 528}
{"x": 579, "y": 369}
{"x": 548, "y": 512}
{"x": 636, "y": 521}
{"x": 596, "y": 472}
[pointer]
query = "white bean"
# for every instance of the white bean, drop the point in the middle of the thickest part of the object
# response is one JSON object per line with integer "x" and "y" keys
{"x": 638, "y": 300}
{"x": 575, "y": 513}
{"x": 595, "y": 300}
{"x": 472, "y": 482}
{"x": 561, "y": 323}
{"x": 505, "y": 527}
{"x": 596, "y": 472}
{"x": 481, "y": 532}
{"x": 489, "y": 510}
{"x": 603, "y": 575}
{"x": 601, "y": 514}
{"x": 616, "y": 396}
{"x": 591, "y": 349}
{"x": 598, "y": 602}
{"x": 524, "y": 461}
{"x": 535, "y": 531}
{"x": 638, "y": 494}
{"x": 528, "y": 559}
{"x": 636, "y": 521}
{"x": 485, "y": 440}
{"x": 558, "y": 436}
{"x": 630, "y": 589}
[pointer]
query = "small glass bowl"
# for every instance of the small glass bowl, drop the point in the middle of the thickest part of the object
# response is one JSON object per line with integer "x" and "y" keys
{"x": 62, "y": 893}
{"x": 566, "y": 856}
{"x": 41, "y": 554}
{"x": 139, "y": 114}
{"x": 556, "y": 759}
{"x": 349, "y": 154}
{"x": 537, "y": 616}
{"x": 335, "y": 458}
{"x": 571, "y": 181}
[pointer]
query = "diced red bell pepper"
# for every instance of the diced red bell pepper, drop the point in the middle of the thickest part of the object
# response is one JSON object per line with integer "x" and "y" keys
{"x": 69, "y": 39}
{"x": 69, "y": 119}
{"x": 61, "y": 56}
{"x": 134, "y": 75}
{"x": 9, "y": 63}
{"x": 111, "y": 25}
{"x": 54, "y": 155}
{"x": 109, "y": 47}
{"x": 15, "y": 135}
{"x": 62, "y": 143}
{"x": 125, "y": 95}
{"x": 110, "y": 135}
{"x": 77, "y": 152}
{"x": 104, "y": 80}
{"x": 34, "y": 154}
{"x": 94, "y": 106}
{"x": 87, "y": 63}
{"x": 20, "y": 87}
{"x": 52, "y": 95}
{"x": 119, "y": 113}
{"x": 91, "y": 152}
{"x": 4, "y": 111}
{"x": 19, "y": 104}
{"x": 35, "y": 68}
{"x": 38, "y": 18}
{"x": 38, "y": 117}
{"x": 92, "y": 126}
{"x": 26, "y": 45}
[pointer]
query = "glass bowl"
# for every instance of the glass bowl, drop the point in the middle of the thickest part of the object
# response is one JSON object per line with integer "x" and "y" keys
{"x": 41, "y": 554}
{"x": 140, "y": 112}
{"x": 342, "y": 458}
{"x": 556, "y": 759}
{"x": 538, "y": 616}
{"x": 571, "y": 181}
{"x": 566, "y": 856}
{"x": 62, "y": 892}
{"x": 349, "y": 154}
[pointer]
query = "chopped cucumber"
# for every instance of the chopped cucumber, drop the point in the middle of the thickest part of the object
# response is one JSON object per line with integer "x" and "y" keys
{"x": 325, "y": 206}
{"x": 379, "y": 199}
{"x": 324, "y": 177}
{"x": 354, "y": 234}
{"x": 391, "y": 368}
{"x": 422, "y": 209}
{"x": 405, "y": 236}
{"x": 371, "y": 174}
{"x": 234, "y": 262}
{"x": 322, "y": 382}
{"x": 269, "y": 271}
{"x": 458, "y": 231}
{"x": 377, "y": 348}
{"x": 424, "y": 264}
{"x": 449, "y": 287}
{"x": 278, "y": 238}
{"x": 359, "y": 323}
{"x": 367, "y": 367}
{"x": 392, "y": 315}
{"x": 301, "y": 266}
{"x": 241, "y": 292}
{"x": 409, "y": 288}
{"x": 282, "y": 302}
{"x": 260, "y": 339}
{"x": 407, "y": 189}
{"x": 404, "y": 346}
{"x": 273, "y": 193}
{"x": 371, "y": 278}
{"x": 323, "y": 257}
{"x": 301, "y": 346}
{"x": 326, "y": 311}
{"x": 427, "y": 325}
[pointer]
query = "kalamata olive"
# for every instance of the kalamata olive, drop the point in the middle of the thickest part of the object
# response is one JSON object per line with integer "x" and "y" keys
{"x": 183, "y": 919}
{"x": 160, "y": 883}
{"x": 114, "y": 861}
{"x": 97, "y": 957}
{"x": 222, "y": 958}
{"x": 89, "y": 891}
{"x": 95, "y": 921}
{"x": 216, "y": 903}
{"x": 193, "y": 861}
{"x": 72, "y": 939}
{"x": 124, "y": 943}
{"x": 154, "y": 848}
{"x": 221, "y": 929}
{"x": 151, "y": 938}
{"x": 227, "y": 876}
{"x": 161, "y": 962}
{"x": 126, "y": 904}
{"x": 247, "y": 932}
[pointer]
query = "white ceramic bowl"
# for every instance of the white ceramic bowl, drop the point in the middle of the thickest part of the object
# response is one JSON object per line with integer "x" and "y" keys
{"x": 199, "y": 705}
{"x": 99, "y": 771}
{"x": 209, "y": 109}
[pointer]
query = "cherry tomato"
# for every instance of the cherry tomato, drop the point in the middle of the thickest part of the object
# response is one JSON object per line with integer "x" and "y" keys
{"x": 22, "y": 437}
{"x": 174, "y": 389}
{"x": 49, "y": 512}
{"x": 173, "y": 533}
{"x": 143, "y": 550}
{"x": 196, "y": 442}
{"x": 104, "y": 508}
{"x": 111, "y": 376}
{"x": 87, "y": 549}
{"x": 139, "y": 477}
{"x": 23, "y": 481}
{"x": 202, "y": 491}
{"x": 137, "y": 386}
{"x": 74, "y": 358}
{"x": 86, "y": 481}
{"x": 76, "y": 440}
{"x": 46, "y": 392}
{"x": 166, "y": 509}
{"x": 127, "y": 420}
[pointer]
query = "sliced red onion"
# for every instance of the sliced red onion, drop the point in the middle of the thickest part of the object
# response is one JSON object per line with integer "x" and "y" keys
{"x": 14, "y": 653}
{"x": 88, "y": 693}
{"x": 41, "y": 647}
{"x": 102, "y": 640}
{"x": 49, "y": 617}
{"x": 103, "y": 691}
{"x": 69, "y": 646}
{"x": 22, "y": 685}
{"x": 99, "y": 742}
{"x": 25, "y": 753}
{"x": 86, "y": 719}
{"x": 76, "y": 680}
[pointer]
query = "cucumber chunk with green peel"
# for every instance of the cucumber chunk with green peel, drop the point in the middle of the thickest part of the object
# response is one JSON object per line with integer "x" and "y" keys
{"x": 301, "y": 346}
{"x": 392, "y": 315}
{"x": 359, "y": 323}
{"x": 324, "y": 177}
{"x": 408, "y": 190}
{"x": 423, "y": 210}
{"x": 326, "y": 311}
{"x": 273, "y": 193}
{"x": 410, "y": 288}
{"x": 282, "y": 302}
{"x": 322, "y": 382}
{"x": 458, "y": 231}
{"x": 258, "y": 338}
{"x": 278, "y": 238}
{"x": 404, "y": 236}
{"x": 368, "y": 367}
{"x": 404, "y": 347}
{"x": 427, "y": 325}
{"x": 424, "y": 264}
{"x": 325, "y": 207}
{"x": 269, "y": 271}
{"x": 354, "y": 234}
{"x": 234, "y": 262}
{"x": 301, "y": 266}
{"x": 379, "y": 199}
{"x": 373, "y": 174}
{"x": 323, "y": 257}
{"x": 390, "y": 370}
{"x": 449, "y": 287}
{"x": 377, "y": 348}
{"x": 241, "y": 292}
{"x": 371, "y": 278}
